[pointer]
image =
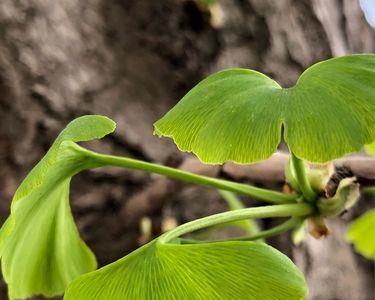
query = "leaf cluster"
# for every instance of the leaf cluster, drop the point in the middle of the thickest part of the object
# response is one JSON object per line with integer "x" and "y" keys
{"x": 233, "y": 115}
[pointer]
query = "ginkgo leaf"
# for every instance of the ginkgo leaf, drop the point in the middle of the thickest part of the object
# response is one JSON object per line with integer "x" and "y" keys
{"x": 237, "y": 114}
{"x": 217, "y": 271}
{"x": 361, "y": 234}
{"x": 41, "y": 251}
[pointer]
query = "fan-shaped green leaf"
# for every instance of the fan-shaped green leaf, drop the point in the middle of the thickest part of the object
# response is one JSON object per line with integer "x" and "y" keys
{"x": 227, "y": 270}
{"x": 361, "y": 234}
{"x": 232, "y": 115}
{"x": 41, "y": 251}
{"x": 237, "y": 114}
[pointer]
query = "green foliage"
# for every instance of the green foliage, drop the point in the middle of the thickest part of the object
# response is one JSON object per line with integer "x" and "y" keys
{"x": 226, "y": 270}
{"x": 361, "y": 234}
{"x": 41, "y": 250}
{"x": 371, "y": 149}
{"x": 237, "y": 114}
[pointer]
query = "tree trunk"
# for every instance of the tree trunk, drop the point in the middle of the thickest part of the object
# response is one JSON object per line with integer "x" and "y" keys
{"x": 132, "y": 60}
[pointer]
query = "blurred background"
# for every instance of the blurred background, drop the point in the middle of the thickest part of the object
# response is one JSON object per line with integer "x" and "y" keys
{"x": 132, "y": 61}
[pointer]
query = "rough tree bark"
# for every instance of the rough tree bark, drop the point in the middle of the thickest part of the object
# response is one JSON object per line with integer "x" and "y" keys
{"x": 132, "y": 60}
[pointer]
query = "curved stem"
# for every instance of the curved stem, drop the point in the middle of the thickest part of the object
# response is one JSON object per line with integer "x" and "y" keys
{"x": 287, "y": 225}
{"x": 100, "y": 160}
{"x": 282, "y": 210}
{"x": 231, "y": 199}
{"x": 233, "y": 202}
{"x": 300, "y": 173}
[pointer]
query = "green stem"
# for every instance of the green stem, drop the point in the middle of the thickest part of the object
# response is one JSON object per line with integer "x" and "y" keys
{"x": 282, "y": 210}
{"x": 287, "y": 225}
{"x": 100, "y": 160}
{"x": 250, "y": 226}
{"x": 300, "y": 173}
{"x": 232, "y": 200}
{"x": 369, "y": 190}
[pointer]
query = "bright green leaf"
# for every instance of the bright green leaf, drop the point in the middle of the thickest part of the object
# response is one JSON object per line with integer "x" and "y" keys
{"x": 217, "y": 119}
{"x": 237, "y": 114}
{"x": 361, "y": 234}
{"x": 40, "y": 245}
{"x": 225, "y": 271}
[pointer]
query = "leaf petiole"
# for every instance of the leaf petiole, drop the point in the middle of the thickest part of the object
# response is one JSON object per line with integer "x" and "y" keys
{"x": 287, "y": 225}
{"x": 100, "y": 160}
{"x": 300, "y": 173}
{"x": 282, "y": 210}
